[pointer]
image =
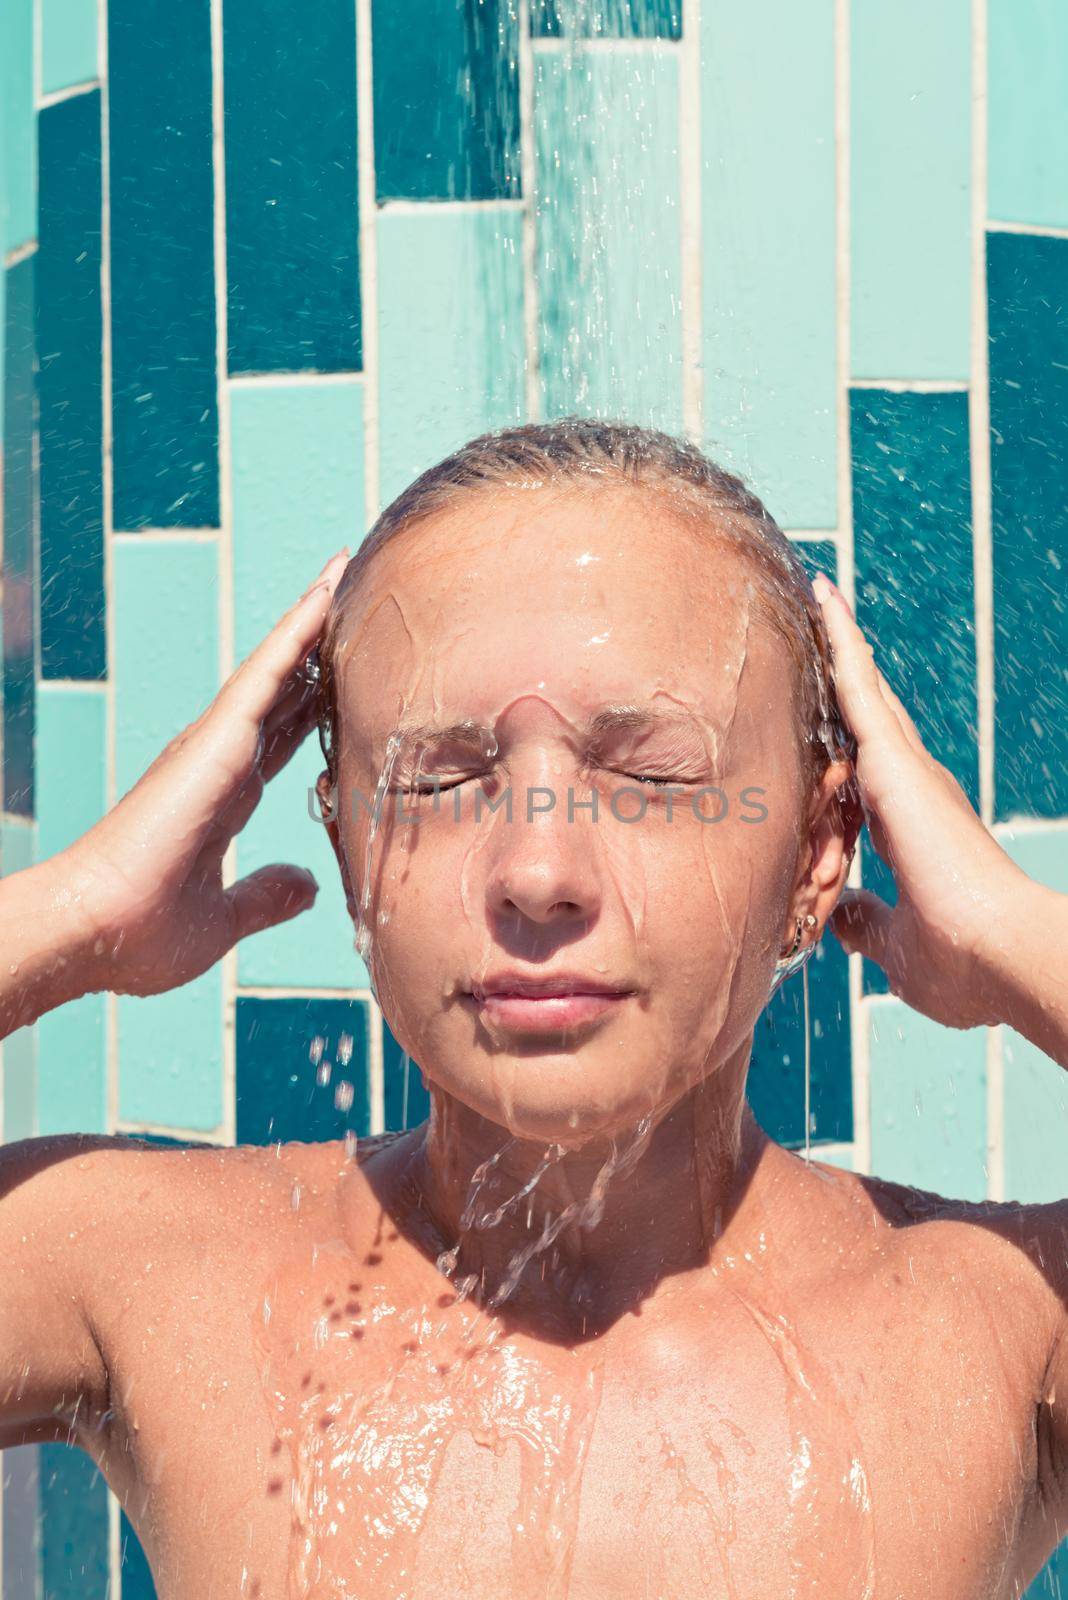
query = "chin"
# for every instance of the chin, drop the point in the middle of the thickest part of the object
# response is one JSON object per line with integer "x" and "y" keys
{"x": 553, "y": 1100}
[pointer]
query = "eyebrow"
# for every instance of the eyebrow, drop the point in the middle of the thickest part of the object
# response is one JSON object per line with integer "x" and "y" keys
{"x": 609, "y": 719}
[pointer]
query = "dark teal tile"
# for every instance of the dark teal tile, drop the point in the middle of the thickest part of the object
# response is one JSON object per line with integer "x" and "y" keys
{"x": 292, "y": 219}
{"x": 403, "y": 1108}
{"x": 914, "y": 584}
{"x": 135, "y": 1582}
{"x": 776, "y": 1084}
{"x": 1028, "y": 325}
{"x": 19, "y": 607}
{"x": 74, "y": 1526}
{"x": 608, "y": 19}
{"x": 817, "y": 555}
{"x": 1052, "y": 1582}
{"x": 162, "y": 265}
{"x": 70, "y": 390}
{"x": 279, "y": 1097}
{"x": 446, "y": 99}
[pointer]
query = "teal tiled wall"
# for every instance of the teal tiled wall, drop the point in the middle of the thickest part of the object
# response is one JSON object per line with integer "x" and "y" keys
{"x": 259, "y": 272}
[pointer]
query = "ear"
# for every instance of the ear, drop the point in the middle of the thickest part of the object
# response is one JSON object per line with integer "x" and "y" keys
{"x": 329, "y": 797}
{"x": 836, "y": 817}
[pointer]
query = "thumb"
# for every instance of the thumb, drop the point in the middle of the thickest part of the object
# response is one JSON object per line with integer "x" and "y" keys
{"x": 269, "y": 896}
{"x": 861, "y": 921}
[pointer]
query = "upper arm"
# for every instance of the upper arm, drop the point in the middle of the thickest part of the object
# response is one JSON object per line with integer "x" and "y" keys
{"x": 54, "y": 1198}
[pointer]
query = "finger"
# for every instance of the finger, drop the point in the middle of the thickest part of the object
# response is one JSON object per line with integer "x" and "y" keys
{"x": 272, "y": 895}
{"x": 276, "y": 750}
{"x": 286, "y": 738}
{"x": 908, "y": 727}
{"x": 261, "y": 679}
{"x": 856, "y": 676}
{"x": 862, "y": 922}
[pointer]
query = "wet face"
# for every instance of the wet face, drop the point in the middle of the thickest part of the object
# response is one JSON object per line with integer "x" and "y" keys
{"x": 583, "y": 741}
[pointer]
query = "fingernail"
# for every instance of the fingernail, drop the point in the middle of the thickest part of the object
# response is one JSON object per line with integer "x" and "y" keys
{"x": 821, "y": 587}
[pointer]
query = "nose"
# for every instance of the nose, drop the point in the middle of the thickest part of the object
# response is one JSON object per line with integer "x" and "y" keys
{"x": 544, "y": 870}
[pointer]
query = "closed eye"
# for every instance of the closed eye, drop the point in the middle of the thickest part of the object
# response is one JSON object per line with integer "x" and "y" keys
{"x": 657, "y": 782}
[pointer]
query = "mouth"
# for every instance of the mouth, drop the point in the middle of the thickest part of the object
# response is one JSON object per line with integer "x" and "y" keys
{"x": 545, "y": 1005}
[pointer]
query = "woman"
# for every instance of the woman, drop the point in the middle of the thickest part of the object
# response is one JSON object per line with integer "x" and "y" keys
{"x": 591, "y": 797}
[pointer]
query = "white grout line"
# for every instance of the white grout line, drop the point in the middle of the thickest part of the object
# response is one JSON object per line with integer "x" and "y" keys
{"x": 813, "y": 535}
{"x": 228, "y": 964}
{"x": 1009, "y": 826}
{"x": 367, "y": 179}
{"x": 71, "y": 685}
{"x": 114, "y": 1547}
{"x": 285, "y": 380}
{"x": 528, "y": 167}
{"x": 912, "y": 385}
{"x": 982, "y": 555}
{"x": 166, "y": 535}
{"x": 57, "y": 96}
{"x": 860, "y": 1043}
{"x": 1027, "y": 227}
{"x": 690, "y": 221}
{"x": 19, "y": 253}
{"x": 416, "y": 208}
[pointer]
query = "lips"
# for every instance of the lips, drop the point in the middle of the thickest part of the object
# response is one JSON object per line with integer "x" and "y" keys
{"x": 546, "y": 1005}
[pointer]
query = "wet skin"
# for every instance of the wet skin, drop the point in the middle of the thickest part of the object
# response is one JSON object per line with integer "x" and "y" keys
{"x": 752, "y": 1376}
{"x": 914, "y": 1338}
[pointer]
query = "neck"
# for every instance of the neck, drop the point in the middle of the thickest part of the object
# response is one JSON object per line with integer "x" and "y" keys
{"x": 582, "y": 1236}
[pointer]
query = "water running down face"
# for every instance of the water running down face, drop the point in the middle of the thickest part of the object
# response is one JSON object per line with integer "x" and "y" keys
{"x": 575, "y": 644}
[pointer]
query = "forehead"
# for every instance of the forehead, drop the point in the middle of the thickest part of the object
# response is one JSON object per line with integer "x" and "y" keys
{"x": 584, "y": 599}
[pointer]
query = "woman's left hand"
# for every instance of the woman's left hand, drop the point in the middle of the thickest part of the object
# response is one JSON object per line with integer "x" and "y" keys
{"x": 941, "y": 944}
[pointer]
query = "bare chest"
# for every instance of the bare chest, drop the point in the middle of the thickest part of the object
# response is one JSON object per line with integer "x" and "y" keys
{"x": 359, "y": 1444}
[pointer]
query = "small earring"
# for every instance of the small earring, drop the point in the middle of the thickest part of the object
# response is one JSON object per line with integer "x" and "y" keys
{"x": 796, "y": 958}
{"x": 809, "y": 922}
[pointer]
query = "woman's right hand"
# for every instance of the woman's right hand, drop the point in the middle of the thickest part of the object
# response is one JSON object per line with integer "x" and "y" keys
{"x": 148, "y": 878}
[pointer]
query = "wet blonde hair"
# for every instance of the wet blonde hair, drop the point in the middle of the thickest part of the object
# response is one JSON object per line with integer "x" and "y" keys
{"x": 586, "y": 451}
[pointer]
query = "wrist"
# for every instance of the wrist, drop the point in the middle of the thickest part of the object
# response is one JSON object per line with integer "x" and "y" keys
{"x": 1022, "y": 959}
{"x": 71, "y": 961}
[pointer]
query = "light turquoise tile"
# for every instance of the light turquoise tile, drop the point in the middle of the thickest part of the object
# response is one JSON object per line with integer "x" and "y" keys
{"x": 72, "y": 1074}
{"x": 1036, "y": 1088}
{"x": 608, "y": 246}
{"x": 451, "y": 354}
{"x": 170, "y": 1056}
{"x": 1027, "y": 126}
{"x": 166, "y": 607}
{"x": 768, "y": 251}
{"x": 71, "y": 797}
{"x": 1035, "y": 1117}
{"x": 928, "y": 1102}
{"x": 71, "y": 765}
{"x": 298, "y": 495}
{"x": 18, "y": 177}
{"x": 910, "y": 183}
{"x": 68, "y": 43}
{"x": 18, "y": 1051}
{"x": 165, "y": 594}
{"x": 1040, "y": 852}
